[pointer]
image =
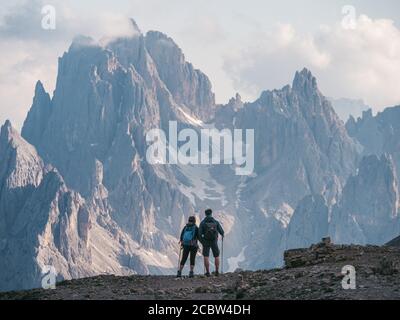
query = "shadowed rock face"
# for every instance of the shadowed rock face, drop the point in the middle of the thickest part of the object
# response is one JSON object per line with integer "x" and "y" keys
{"x": 309, "y": 222}
{"x": 38, "y": 115}
{"x": 367, "y": 212}
{"x": 378, "y": 134}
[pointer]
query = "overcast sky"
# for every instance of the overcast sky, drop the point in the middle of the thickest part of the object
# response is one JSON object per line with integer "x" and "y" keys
{"x": 243, "y": 46}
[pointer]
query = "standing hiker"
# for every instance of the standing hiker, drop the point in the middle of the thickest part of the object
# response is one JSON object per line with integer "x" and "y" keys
{"x": 189, "y": 245}
{"x": 208, "y": 236}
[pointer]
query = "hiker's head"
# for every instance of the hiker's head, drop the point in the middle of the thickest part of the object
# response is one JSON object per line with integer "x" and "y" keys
{"x": 192, "y": 220}
{"x": 208, "y": 212}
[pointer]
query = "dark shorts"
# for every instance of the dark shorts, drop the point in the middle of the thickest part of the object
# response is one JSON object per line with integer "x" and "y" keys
{"x": 214, "y": 248}
{"x": 192, "y": 250}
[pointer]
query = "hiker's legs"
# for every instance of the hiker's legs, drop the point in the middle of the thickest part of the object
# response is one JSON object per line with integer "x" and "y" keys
{"x": 215, "y": 251}
{"x": 193, "y": 253}
{"x": 185, "y": 255}
{"x": 207, "y": 264}
{"x": 206, "y": 255}
{"x": 217, "y": 264}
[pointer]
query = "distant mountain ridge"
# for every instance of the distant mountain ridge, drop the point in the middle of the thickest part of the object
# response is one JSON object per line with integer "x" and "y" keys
{"x": 346, "y": 108}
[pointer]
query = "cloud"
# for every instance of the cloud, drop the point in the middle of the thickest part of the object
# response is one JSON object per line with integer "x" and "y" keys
{"x": 357, "y": 63}
{"x": 199, "y": 28}
{"x": 236, "y": 53}
{"x": 23, "y": 21}
{"x": 29, "y": 52}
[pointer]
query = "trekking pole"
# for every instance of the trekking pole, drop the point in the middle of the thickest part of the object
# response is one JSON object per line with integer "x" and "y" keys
{"x": 222, "y": 256}
{"x": 204, "y": 264}
{"x": 179, "y": 259}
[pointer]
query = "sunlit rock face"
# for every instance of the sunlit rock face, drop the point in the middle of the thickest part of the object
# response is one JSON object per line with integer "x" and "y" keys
{"x": 42, "y": 222}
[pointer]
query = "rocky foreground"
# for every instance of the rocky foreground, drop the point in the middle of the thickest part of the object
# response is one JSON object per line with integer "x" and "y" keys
{"x": 313, "y": 273}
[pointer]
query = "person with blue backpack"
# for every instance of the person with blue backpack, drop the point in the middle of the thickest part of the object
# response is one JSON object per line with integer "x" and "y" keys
{"x": 209, "y": 230}
{"x": 189, "y": 245}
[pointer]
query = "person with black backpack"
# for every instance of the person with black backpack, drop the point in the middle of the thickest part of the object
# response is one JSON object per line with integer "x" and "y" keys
{"x": 189, "y": 245}
{"x": 208, "y": 236}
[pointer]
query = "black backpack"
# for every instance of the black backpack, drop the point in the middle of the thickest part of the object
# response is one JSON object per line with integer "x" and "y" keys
{"x": 210, "y": 231}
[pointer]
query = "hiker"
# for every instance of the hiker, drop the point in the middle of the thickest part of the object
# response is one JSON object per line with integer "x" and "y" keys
{"x": 189, "y": 245}
{"x": 208, "y": 236}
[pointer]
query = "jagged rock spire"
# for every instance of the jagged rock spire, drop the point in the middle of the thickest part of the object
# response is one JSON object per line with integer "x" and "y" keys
{"x": 38, "y": 116}
{"x": 135, "y": 26}
{"x": 304, "y": 81}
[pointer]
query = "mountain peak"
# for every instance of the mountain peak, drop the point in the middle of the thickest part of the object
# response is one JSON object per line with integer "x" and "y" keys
{"x": 19, "y": 161}
{"x": 80, "y": 41}
{"x": 135, "y": 26}
{"x": 10, "y": 136}
{"x": 39, "y": 88}
{"x": 7, "y": 124}
{"x": 38, "y": 115}
{"x": 304, "y": 73}
{"x": 40, "y": 92}
{"x": 6, "y": 130}
{"x": 188, "y": 86}
{"x": 165, "y": 42}
{"x": 304, "y": 80}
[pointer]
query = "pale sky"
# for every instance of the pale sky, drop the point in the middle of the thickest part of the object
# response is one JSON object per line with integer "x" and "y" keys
{"x": 243, "y": 46}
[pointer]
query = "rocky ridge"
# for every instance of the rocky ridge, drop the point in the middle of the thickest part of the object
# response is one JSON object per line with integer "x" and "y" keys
{"x": 313, "y": 273}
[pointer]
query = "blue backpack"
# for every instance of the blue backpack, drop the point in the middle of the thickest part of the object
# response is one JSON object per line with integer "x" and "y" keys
{"x": 188, "y": 236}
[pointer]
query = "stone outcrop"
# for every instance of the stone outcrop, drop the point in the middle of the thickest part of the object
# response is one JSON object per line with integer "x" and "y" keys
{"x": 394, "y": 243}
{"x": 326, "y": 252}
{"x": 315, "y": 254}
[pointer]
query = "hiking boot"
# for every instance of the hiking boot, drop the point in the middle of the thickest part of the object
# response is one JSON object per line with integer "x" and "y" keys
{"x": 216, "y": 273}
{"x": 179, "y": 274}
{"x": 191, "y": 274}
{"x": 207, "y": 274}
